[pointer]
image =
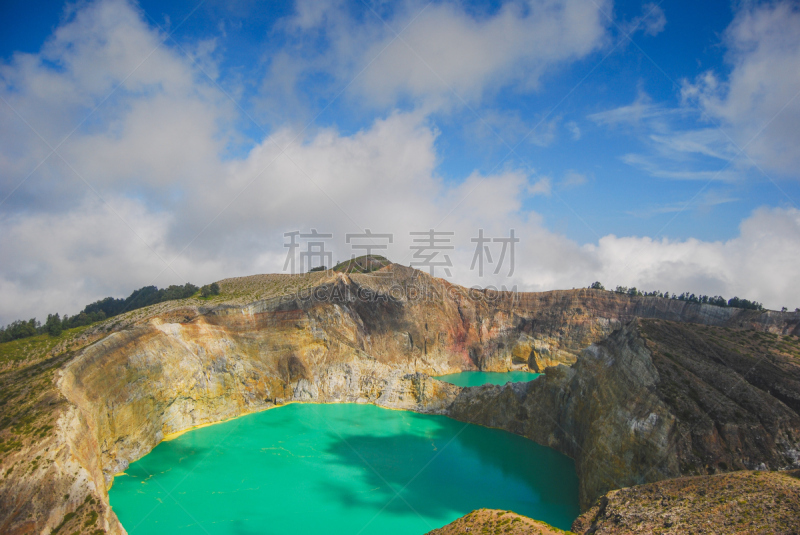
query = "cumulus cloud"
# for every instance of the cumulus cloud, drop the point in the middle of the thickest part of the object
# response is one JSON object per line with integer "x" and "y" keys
{"x": 146, "y": 193}
{"x": 382, "y": 178}
{"x": 49, "y": 259}
{"x": 759, "y": 262}
{"x": 122, "y": 110}
{"x": 445, "y": 48}
{"x": 439, "y": 55}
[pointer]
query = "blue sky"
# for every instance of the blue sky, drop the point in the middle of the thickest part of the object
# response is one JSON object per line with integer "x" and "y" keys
{"x": 639, "y": 143}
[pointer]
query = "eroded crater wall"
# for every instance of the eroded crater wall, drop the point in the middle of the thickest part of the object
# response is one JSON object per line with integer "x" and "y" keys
{"x": 190, "y": 366}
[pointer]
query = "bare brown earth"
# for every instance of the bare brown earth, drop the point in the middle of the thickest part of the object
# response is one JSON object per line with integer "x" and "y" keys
{"x": 74, "y": 413}
{"x": 737, "y": 503}
{"x": 727, "y": 504}
{"x": 496, "y": 522}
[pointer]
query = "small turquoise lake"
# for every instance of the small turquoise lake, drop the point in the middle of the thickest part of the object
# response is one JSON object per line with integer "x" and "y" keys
{"x": 340, "y": 468}
{"x": 487, "y": 378}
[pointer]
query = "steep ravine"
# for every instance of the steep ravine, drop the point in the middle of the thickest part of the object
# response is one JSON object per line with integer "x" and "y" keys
{"x": 375, "y": 339}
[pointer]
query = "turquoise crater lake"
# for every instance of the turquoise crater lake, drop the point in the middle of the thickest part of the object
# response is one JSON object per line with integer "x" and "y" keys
{"x": 344, "y": 468}
{"x": 487, "y": 378}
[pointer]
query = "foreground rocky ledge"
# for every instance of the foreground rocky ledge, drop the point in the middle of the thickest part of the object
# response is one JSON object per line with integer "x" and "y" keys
{"x": 638, "y": 406}
{"x": 739, "y": 502}
{"x": 491, "y": 521}
{"x": 726, "y": 504}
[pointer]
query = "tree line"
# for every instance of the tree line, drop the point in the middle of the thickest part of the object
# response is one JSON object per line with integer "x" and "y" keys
{"x": 716, "y": 300}
{"x": 102, "y": 309}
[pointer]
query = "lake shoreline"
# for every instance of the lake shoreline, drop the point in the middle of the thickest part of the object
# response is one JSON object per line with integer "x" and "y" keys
{"x": 398, "y": 450}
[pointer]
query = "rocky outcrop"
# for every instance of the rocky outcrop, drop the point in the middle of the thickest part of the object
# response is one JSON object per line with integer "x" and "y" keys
{"x": 655, "y": 400}
{"x": 740, "y": 502}
{"x": 368, "y": 338}
{"x": 722, "y": 504}
{"x": 497, "y": 521}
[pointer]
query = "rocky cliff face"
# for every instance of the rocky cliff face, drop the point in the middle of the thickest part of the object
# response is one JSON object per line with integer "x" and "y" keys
{"x": 138, "y": 386}
{"x": 656, "y": 400}
{"x": 370, "y": 338}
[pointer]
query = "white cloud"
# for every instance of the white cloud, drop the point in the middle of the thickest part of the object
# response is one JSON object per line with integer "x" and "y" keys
{"x": 446, "y": 48}
{"x": 49, "y": 259}
{"x": 673, "y": 150}
{"x": 382, "y": 178}
{"x": 573, "y": 179}
{"x": 540, "y": 187}
{"x": 680, "y": 170}
{"x": 757, "y": 264}
{"x": 640, "y": 111}
{"x": 651, "y": 22}
{"x": 508, "y": 129}
{"x": 426, "y": 51}
{"x": 758, "y": 104}
{"x": 706, "y": 142}
{"x": 125, "y": 111}
{"x": 574, "y": 129}
{"x": 704, "y": 202}
{"x": 313, "y": 14}
{"x": 155, "y": 151}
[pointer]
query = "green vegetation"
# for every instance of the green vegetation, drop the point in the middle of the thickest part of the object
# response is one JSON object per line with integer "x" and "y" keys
{"x": 243, "y": 290}
{"x": 86, "y": 514}
{"x": 67, "y": 518}
{"x": 19, "y": 329}
{"x": 35, "y": 346}
{"x": 28, "y": 400}
{"x": 716, "y": 300}
{"x": 91, "y": 520}
{"x": 54, "y": 325}
{"x": 209, "y": 289}
{"x": 99, "y": 310}
{"x": 362, "y": 264}
{"x": 147, "y": 295}
{"x": 30, "y": 404}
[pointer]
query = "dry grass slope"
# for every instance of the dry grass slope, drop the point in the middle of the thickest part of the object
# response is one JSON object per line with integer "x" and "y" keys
{"x": 735, "y": 503}
{"x": 496, "y": 522}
